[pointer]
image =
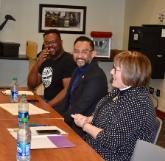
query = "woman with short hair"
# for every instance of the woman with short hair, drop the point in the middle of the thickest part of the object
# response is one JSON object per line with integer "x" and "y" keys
{"x": 126, "y": 114}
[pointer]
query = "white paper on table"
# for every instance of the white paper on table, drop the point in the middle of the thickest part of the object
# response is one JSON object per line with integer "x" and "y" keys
{"x": 8, "y": 92}
{"x": 34, "y": 134}
{"x": 13, "y": 108}
{"x": 42, "y": 143}
{"x": 39, "y": 141}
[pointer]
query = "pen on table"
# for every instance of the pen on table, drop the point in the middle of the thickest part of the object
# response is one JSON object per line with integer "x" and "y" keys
{"x": 32, "y": 100}
{"x": 36, "y": 124}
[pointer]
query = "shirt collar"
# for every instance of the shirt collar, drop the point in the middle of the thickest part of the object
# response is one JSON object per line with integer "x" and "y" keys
{"x": 122, "y": 89}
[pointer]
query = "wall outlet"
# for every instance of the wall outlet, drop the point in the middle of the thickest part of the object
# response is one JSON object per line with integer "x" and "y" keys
{"x": 151, "y": 89}
{"x": 158, "y": 92}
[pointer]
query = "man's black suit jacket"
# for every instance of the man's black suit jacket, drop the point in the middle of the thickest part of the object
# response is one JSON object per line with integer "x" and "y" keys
{"x": 90, "y": 88}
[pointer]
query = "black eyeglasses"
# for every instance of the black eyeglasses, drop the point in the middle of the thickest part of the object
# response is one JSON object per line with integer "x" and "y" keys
{"x": 84, "y": 52}
{"x": 48, "y": 43}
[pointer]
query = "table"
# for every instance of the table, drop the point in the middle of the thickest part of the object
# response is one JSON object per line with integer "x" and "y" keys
{"x": 41, "y": 103}
{"x": 81, "y": 152}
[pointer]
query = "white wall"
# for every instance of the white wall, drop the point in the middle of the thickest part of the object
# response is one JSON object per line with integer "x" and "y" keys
{"x": 138, "y": 12}
{"x": 107, "y": 15}
{"x": 13, "y": 68}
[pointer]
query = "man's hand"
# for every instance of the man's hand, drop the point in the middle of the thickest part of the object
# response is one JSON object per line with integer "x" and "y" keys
{"x": 42, "y": 57}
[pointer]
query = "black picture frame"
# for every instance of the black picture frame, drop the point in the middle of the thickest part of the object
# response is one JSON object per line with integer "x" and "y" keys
{"x": 65, "y": 18}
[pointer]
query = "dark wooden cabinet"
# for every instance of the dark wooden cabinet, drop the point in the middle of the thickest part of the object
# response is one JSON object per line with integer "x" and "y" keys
{"x": 150, "y": 40}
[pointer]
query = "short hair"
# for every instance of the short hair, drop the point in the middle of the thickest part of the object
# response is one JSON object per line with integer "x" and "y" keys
{"x": 135, "y": 68}
{"x": 54, "y": 31}
{"x": 87, "y": 39}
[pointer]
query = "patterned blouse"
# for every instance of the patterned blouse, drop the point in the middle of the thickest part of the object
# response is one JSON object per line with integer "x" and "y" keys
{"x": 124, "y": 116}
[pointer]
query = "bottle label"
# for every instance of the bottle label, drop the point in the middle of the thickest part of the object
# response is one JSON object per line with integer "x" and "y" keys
{"x": 23, "y": 149}
{"x": 14, "y": 95}
{"x": 22, "y": 115}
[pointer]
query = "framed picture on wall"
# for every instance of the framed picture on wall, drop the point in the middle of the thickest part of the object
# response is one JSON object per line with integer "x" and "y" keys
{"x": 67, "y": 19}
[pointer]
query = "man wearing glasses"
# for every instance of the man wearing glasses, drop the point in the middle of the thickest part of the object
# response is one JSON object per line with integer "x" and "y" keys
{"x": 88, "y": 84}
{"x": 53, "y": 68}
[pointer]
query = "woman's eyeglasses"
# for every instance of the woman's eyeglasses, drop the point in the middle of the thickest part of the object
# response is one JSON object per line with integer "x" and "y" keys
{"x": 116, "y": 68}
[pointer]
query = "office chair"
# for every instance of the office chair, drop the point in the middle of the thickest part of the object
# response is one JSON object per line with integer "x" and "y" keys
{"x": 145, "y": 151}
{"x": 159, "y": 122}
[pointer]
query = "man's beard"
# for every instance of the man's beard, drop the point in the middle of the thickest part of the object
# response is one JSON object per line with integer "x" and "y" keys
{"x": 83, "y": 63}
{"x": 54, "y": 53}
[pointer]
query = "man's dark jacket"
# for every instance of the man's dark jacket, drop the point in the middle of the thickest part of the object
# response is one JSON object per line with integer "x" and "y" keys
{"x": 89, "y": 89}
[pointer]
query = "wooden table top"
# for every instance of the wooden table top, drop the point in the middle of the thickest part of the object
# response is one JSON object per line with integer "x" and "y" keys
{"x": 40, "y": 103}
{"x": 81, "y": 152}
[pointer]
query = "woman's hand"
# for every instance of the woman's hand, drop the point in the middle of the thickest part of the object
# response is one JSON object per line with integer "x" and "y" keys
{"x": 80, "y": 120}
{"x": 84, "y": 122}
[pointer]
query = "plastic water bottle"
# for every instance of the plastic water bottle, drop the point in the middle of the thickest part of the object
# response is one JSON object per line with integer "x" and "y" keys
{"x": 14, "y": 90}
{"x": 23, "y": 109}
{"x": 23, "y": 141}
